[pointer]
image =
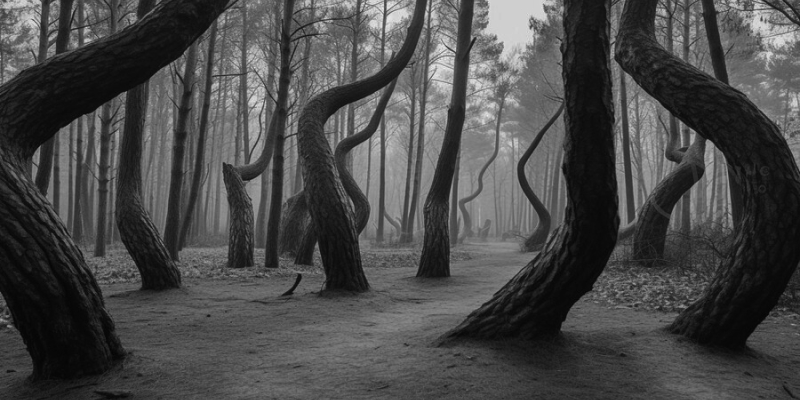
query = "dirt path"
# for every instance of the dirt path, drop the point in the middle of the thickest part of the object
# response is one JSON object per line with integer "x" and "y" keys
{"x": 238, "y": 340}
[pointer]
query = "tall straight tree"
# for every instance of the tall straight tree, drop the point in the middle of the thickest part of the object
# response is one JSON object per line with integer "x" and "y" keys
{"x": 105, "y": 141}
{"x": 53, "y": 297}
{"x": 330, "y": 210}
{"x": 750, "y": 280}
{"x": 137, "y": 232}
{"x": 435, "y": 259}
{"x": 172, "y": 227}
{"x": 200, "y": 150}
{"x": 537, "y": 300}
{"x": 62, "y": 44}
{"x": 280, "y": 115}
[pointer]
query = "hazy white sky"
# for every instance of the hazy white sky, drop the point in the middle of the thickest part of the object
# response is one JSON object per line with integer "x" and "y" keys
{"x": 508, "y": 19}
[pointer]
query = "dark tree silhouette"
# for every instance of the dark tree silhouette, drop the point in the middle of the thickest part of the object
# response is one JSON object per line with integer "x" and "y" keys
{"x": 750, "y": 280}
{"x": 360, "y": 201}
{"x": 53, "y": 297}
{"x": 536, "y": 240}
{"x": 136, "y": 230}
{"x": 330, "y": 211}
{"x": 435, "y": 259}
{"x": 536, "y": 301}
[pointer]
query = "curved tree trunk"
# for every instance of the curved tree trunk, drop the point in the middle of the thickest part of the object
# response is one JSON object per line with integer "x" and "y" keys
{"x": 435, "y": 259}
{"x": 56, "y": 303}
{"x": 199, "y": 158}
{"x": 462, "y": 204}
{"x": 650, "y": 234}
{"x": 536, "y": 301}
{"x": 751, "y": 279}
{"x": 398, "y": 228}
{"x": 138, "y": 234}
{"x": 330, "y": 211}
{"x": 536, "y": 240}
{"x": 305, "y": 253}
{"x": 240, "y": 241}
{"x": 360, "y": 201}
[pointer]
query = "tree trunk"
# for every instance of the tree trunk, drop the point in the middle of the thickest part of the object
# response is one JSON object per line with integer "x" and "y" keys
{"x": 721, "y": 72}
{"x": 330, "y": 211}
{"x": 407, "y": 234}
{"x": 750, "y": 280}
{"x": 435, "y": 259}
{"x": 630, "y": 206}
{"x": 382, "y": 170}
{"x": 360, "y": 201}
{"x": 59, "y": 309}
{"x": 62, "y": 44}
{"x": 172, "y": 227}
{"x": 536, "y": 240}
{"x": 103, "y": 178}
{"x": 199, "y": 158}
{"x": 137, "y": 231}
{"x": 462, "y": 204}
{"x": 536, "y": 301}
{"x": 653, "y": 221}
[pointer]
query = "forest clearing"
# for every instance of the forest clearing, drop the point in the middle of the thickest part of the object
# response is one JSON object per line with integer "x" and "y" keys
{"x": 236, "y": 338}
{"x": 399, "y": 199}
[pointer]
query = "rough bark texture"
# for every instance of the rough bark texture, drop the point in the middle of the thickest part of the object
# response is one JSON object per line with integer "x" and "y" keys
{"x": 240, "y": 242}
{"x": 137, "y": 231}
{"x": 650, "y": 234}
{"x": 536, "y": 301}
{"x": 462, "y": 204}
{"x": 241, "y": 210}
{"x": 360, "y": 201}
{"x": 435, "y": 259}
{"x": 751, "y": 279}
{"x": 330, "y": 211}
{"x": 56, "y": 303}
{"x": 536, "y": 240}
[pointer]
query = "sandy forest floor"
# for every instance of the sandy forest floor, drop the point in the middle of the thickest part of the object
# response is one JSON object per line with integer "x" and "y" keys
{"x": 233, "y": 337}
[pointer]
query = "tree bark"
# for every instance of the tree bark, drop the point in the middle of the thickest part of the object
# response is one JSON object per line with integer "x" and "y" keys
{"x": 330, "y": 211}
{"x": 360, "y": 202}
{"x": 137, "y": 231}
{"x": 435, "y": 259}
{"x": 56, "y": 303}
{"x": 750, "y": 280}
{"x": 630, "y": 206}
{"x": 199, "y": 158}
{"x": 294, "y": 221}
{"x": 721, "y": 72}
{"x": 536, "y": 301}
{"x": 280, "y": 115}
{"x": 536, "y": 240}
{"x": 462, "y": 204}
{"x": 172, "y": 226}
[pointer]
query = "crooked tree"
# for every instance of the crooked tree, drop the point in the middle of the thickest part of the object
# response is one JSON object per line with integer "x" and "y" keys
{"x": 536, "y": 301}
{"x": 537, "y": 238}
{"x": 750, "y": 280}
{"x": 357, "y": 197}
{"x": 53, "y": 297}
{"x": 137, "y": 231}
{"x": 331, "y": 213}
